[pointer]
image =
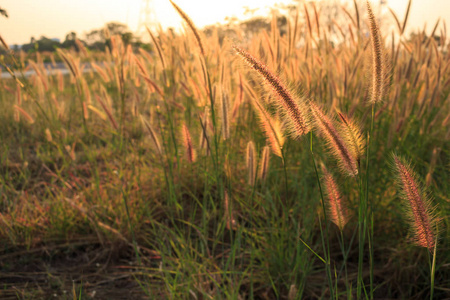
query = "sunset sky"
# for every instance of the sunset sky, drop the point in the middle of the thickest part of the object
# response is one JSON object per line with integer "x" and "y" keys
{"x": 55, "y": 18}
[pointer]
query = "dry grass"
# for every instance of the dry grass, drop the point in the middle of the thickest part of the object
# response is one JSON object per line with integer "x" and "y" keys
{"x": 420, "y": 211}
{"x": 145, "y": 158}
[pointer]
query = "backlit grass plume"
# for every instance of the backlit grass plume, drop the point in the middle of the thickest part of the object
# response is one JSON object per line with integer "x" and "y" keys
{"x": 250, "y": 160}
{"x": 187, "y": 143}
{"x": 153, "y": 135}
{"x": 352, "y": 136}
{"x": 191, "y": 25}
{"x": 271, "y": 128}
{"x": 337, "y": 145}
{"x": 264, "y": 163}
{"x": 378, "y": 68}
{"x": 295, "y": 109}
{"x": 337, "y": 210}
{"x": 418, "y": 207}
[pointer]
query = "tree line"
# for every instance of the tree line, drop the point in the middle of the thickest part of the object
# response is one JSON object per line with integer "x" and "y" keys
{"x": 97, "y": 39}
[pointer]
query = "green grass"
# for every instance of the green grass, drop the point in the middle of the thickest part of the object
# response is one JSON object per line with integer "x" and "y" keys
{"x": 99, "y": 209}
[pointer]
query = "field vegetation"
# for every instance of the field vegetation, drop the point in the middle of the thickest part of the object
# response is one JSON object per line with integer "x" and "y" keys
{"x": 305, "y": 163}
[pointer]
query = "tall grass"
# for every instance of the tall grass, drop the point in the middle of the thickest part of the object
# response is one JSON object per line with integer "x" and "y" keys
{"x": 168, "y": 153}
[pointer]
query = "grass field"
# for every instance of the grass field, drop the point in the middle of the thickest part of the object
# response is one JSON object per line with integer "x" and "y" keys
{"x": 308, "y": 165}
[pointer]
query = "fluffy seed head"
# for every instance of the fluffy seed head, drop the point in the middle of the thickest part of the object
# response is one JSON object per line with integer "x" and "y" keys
{"x": 378, "y": 67}
{"x": 24, "y": 114}
{"x": 264, "y": 164}
{"x": 271, "y": 128}
{"x": 153, "y": 135}
{"x": 295, "y": 109}
{"x": 419, "y": 211}
{"x": 191, "y": 25}
{"x": 352, "y": 136}
{"x": 251, "y": 162}
{"x": 337, "y": 210}
{"x": 188, "y": 146}
{"x": 336, "y": 144}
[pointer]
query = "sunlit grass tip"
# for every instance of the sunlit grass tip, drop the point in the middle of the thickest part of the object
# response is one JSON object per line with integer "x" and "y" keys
{"x": 295, "y": 109}
{"x": 271, "y": 127}
{"x": 352, "y": 135}
{"x": 419, "y": 210}
{"x": 264, "y": 163}
{"x": 336, "y": 144}
{"x": 250, "y": 160}
{"x": 191, "y": 25}
{"x": 188, "y": 145}
{"x": 152, "y": 134}
{"x": 378, "y": 73}
{"x": 337, "y": 209}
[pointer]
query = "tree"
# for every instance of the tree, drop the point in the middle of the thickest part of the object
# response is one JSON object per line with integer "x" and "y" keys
{"x": 43, "y": 44}
{"x": 95, "y": 36}
{"x": 100, "y": 38}
{"x": 116, "y": 28}
{"x": 69, "y": 42}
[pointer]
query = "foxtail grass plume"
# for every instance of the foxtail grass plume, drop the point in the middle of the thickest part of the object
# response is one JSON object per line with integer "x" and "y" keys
{"x": 378, "y": 68}
{"x": 101, "y": 72}
{"x": 19, "y": 102}
{"x": 48, "y": 135}
{"x": 81, "y": 47}
{"x": 417, "y": 204}
{"x": 158, "y": 47}
{"x": 60, "y": 81}
{"x": 251, "y": 162}
{"x": 337, "y": 210}
{"x": 339, "y": 149}
{"x": 225, "y": 115}
{"x": 294, "y": 109}
{"x": 191, "y": 25}
{"x": 264, "y": 163}
{"x": 187, "y": 143}
{"x": 24, "y": 114}
{"x": 153, "y": 135}
{"x": 271, "y": 128}
{"x": 352, "y": 136}
{"x": 5, "y": 45}
{"x": 108, "y": 111}
{"x": 18, "y": 94}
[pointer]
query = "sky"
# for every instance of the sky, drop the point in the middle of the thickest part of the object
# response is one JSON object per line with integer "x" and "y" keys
{"x": 56, "y": 18}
